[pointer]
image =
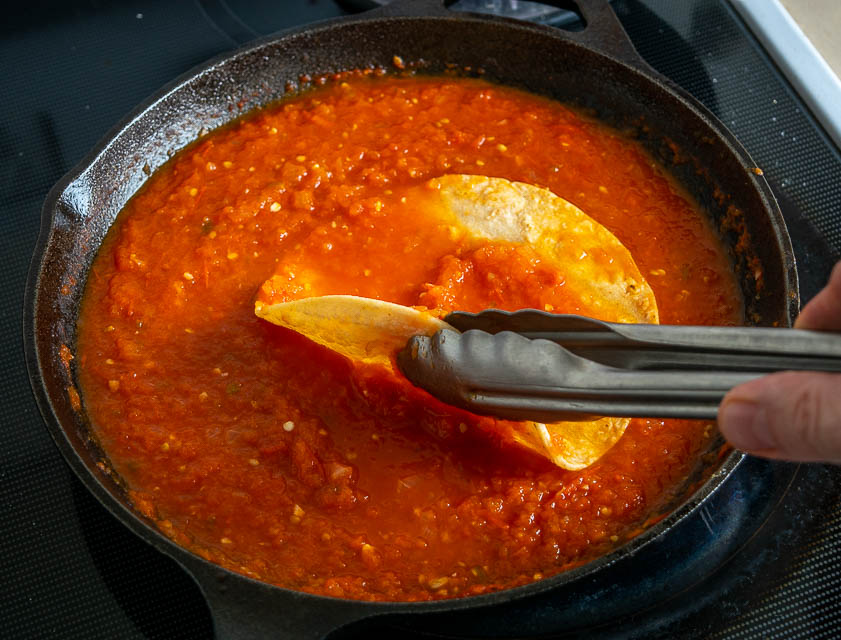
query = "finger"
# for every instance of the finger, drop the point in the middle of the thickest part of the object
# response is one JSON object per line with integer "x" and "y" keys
{"x": 789, "y": 415}
{"x": 823, "y": 312}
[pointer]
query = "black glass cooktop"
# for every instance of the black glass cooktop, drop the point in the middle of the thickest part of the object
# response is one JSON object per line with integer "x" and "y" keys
{"x": 758, "y": 561}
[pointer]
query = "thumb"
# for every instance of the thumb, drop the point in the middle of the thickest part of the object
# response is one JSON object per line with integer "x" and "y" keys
{"x": 789, "y": 415}
{"x": 823, "y": 312}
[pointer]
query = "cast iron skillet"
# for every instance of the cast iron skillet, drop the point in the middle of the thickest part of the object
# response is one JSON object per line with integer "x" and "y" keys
{"x": 596, "y": 69}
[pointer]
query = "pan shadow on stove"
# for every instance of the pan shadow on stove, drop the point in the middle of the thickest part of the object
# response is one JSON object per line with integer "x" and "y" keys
{"x": 667, "y": 51}
{"x": 159, "y": 598}
{"x": 815, "y": 257}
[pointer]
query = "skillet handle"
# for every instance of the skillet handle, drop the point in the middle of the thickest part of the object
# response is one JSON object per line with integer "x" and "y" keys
{"x": 602, "y": 30}
{"x": 409, "y": 8}
{"x": 244, "y": 609}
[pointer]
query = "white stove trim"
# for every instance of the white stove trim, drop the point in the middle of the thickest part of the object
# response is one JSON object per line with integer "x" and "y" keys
{"x": 797, "y": 58}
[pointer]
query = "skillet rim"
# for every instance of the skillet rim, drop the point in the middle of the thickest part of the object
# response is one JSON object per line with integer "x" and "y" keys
{"x": 186, "y": 558}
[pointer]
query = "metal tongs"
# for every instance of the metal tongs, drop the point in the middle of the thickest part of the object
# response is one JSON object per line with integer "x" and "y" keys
{"x": 532, "y": 365}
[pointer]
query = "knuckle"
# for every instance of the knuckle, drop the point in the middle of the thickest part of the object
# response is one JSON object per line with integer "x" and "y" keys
{"x": 806, "y": 409}
{"x": 807, "y": 414}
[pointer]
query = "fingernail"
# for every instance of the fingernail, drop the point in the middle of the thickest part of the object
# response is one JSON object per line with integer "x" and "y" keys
{"x": 745, "y": 425}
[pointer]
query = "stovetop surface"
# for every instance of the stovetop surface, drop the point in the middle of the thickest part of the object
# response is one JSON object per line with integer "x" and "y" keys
{"x": 759, "y": 560}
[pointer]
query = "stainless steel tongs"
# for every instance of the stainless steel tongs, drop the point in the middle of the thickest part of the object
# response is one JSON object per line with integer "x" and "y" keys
{"x": 532, "y": 365}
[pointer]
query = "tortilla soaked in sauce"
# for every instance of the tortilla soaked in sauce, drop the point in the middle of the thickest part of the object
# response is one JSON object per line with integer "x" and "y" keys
{"x": 593, "y": 270}
{"x": 279, "y": 459}
{"x": 594, "y": 265}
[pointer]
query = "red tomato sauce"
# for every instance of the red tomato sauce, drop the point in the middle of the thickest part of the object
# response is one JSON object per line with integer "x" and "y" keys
{"x": 275, "y": 458}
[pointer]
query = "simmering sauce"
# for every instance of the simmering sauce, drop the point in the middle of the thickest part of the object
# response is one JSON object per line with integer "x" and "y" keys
{"x": 278, "y": 459}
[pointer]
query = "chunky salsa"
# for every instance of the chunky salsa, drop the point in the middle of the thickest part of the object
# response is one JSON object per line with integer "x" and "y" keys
{"x": 279, "y": 459}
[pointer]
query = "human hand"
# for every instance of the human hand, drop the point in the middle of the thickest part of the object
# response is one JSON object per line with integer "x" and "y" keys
{"x": 791, "y": 415}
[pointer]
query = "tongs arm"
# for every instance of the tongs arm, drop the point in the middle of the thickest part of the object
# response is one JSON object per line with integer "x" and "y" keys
{"x": 513, "y": 377}
{"x": 535, "y": 366}
{"x": 667, "y": 347}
